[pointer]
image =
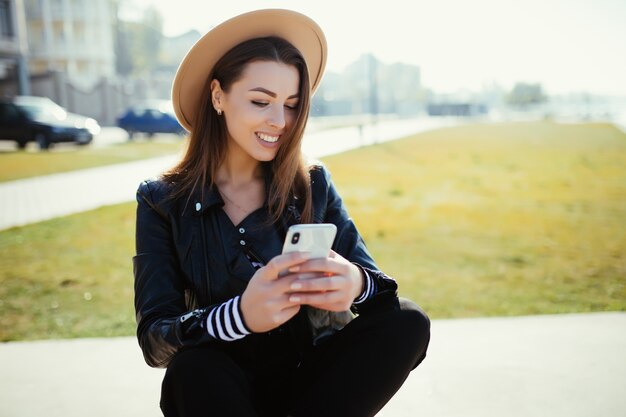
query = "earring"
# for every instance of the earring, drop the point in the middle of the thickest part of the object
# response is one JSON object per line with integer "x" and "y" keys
{"x": 219, "y": 112}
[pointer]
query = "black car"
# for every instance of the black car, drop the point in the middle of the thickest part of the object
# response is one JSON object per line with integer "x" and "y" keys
{"x": 39, "y": 119}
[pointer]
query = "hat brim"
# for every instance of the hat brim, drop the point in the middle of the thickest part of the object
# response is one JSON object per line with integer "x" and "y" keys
{"x": 294, "y": 27}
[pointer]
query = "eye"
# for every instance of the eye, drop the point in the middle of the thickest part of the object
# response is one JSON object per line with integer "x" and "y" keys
{"x": 259, "y": 103}
{"x": 292, "y": 107}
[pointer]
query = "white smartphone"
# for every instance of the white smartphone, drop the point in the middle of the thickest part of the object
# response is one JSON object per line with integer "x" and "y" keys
{"x": 314, "y": 238}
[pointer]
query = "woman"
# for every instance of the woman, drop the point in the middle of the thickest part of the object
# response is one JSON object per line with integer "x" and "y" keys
{"x": 216, "y": 302}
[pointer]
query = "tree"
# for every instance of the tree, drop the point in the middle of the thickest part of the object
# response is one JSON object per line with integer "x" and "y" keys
{"x": 150, "y": 37}
{"x": 525, "y": 94}
{"x": 138, "y": 43}
{"x": 123, "y": 58}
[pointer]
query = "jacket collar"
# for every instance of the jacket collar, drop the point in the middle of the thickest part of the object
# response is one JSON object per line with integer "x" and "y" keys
{"x": 202, "y": 201}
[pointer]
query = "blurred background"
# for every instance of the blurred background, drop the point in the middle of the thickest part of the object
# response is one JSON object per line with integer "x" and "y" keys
{"x": 448, "y": 57}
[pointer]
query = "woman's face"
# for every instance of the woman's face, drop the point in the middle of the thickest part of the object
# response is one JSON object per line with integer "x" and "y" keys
{"x": 259, "y": 108}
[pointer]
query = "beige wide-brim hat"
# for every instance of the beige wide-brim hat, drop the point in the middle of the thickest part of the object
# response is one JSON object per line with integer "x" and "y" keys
{"x": 294, "y": 27}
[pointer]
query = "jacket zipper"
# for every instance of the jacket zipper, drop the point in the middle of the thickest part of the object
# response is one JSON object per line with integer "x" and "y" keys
{"x": 256, "y": 256}
{"x": 206, "y": 259}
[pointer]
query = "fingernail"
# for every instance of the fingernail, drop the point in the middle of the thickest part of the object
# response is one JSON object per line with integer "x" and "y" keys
{"x": 294, "y": 299}
{"x": 294, "y": 269}
{"x": 296, "y": 286}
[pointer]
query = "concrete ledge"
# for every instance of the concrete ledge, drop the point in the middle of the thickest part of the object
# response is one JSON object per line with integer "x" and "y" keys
{"x": 558, "y": 365}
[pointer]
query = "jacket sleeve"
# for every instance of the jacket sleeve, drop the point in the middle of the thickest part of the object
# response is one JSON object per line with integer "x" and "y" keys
{"x": 349, "y": 243}
{"x": 164, "y": 324}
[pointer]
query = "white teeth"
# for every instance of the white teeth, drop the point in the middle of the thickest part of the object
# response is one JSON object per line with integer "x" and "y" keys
{"x": 267, "y": 138}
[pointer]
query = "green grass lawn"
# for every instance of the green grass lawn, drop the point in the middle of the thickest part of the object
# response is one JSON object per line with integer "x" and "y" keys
{"x": 24, "y": 164}
{"x": 68, "y": 277}
{"x": 480, "y": 220}
{"x": 504, "y": 219}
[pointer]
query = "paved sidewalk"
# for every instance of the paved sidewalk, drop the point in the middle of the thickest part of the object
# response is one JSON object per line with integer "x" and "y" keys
{"x": 552, "y": 366}
{"x": 42, "y": 198}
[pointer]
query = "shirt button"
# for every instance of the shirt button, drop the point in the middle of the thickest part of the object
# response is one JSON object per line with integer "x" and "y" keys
{"x": 198, "y": 206}
{"x": 242, "y": 242}
{"x": 242, "y": 230}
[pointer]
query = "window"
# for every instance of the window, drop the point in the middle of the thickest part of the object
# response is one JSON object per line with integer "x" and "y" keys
{"x": 8, "y": 113}
{"x": 6, "y": 22}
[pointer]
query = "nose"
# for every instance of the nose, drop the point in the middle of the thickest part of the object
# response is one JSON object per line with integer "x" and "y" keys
{"x": 277, "y": 118}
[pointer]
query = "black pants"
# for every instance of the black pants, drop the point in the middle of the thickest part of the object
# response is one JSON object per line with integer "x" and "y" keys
{"x": 352, "y": 374}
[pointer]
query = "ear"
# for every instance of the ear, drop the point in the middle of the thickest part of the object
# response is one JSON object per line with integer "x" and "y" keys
{"x": 216, "y": 94}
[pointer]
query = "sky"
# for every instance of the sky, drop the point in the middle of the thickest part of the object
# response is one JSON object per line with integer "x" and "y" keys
{"x": 566, "y": 45}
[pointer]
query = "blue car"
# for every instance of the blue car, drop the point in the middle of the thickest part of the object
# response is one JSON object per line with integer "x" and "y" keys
{"x": 150, "y": 118}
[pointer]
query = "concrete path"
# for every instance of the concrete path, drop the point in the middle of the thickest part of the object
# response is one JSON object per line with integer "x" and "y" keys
{"x": 42, "y": 198}
{"x": 538, "y": 366}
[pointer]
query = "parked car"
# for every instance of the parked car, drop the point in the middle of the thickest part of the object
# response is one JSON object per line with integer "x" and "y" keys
{"x": 39, "y": 119}
{"x": 150, "y": 118}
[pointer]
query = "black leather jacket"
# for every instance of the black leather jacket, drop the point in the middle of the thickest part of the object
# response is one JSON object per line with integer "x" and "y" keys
{"x": 180, "y": 273}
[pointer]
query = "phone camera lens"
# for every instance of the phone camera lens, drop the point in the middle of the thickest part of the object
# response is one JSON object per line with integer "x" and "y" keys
{"x": 295, "y": 238}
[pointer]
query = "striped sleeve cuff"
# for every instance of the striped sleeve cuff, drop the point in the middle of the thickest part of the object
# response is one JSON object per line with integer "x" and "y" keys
{"x": 368, "y": 290}
{"x": 225, "y": 321}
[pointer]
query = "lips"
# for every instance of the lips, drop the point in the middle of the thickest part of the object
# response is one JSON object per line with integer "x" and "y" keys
{"x": 267, "y": 138}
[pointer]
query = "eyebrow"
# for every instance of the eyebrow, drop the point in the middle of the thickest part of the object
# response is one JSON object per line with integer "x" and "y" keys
{"x": 271, "y": 93}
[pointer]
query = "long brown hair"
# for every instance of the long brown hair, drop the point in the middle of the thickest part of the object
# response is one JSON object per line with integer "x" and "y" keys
{"x": 208, "y": 139}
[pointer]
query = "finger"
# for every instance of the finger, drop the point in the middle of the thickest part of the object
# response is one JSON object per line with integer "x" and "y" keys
{"x": 330, "y": 265}
{"x": 284, "y": 283}
{"x": 285, "y": 314}
{"x": 282, "y": 287}
{"x": 283, "y": 262}
{"x": 317, "y": 284}
{"x": 282, "y": 302}
{"x": 310, "y": 275}
{"x": 336, "y": 256}
{"x": 329, "y": 297}
{"x": 332, "y": 307}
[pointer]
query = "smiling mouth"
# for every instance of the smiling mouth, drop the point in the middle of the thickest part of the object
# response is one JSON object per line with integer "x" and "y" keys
{"x": 267, "y": 138}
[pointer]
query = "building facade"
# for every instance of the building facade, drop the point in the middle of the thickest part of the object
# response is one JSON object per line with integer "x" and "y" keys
{"x": 75, "y": 37}
{"x": 13, "y": 46}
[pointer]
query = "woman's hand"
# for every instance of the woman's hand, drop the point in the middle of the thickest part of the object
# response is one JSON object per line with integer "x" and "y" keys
{"x": 265, "y": 303}
{"x": 337, "y": 284}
